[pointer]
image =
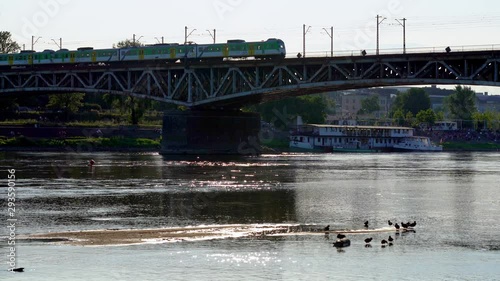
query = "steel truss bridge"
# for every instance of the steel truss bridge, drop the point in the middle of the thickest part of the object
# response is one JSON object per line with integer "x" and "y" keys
{"x": 238, "y": 82}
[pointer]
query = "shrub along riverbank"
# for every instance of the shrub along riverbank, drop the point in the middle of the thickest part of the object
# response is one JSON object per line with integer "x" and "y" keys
{"x": 80, "y": 144}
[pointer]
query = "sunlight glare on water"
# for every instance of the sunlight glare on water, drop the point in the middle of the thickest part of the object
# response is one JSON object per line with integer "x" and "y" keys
{"x": 276, "y": 207}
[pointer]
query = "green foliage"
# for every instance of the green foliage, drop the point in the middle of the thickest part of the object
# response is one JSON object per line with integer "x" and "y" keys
{"x": 91, "y": 106}
{"x": 370, "y": 105}
{"x": 135, "y": 108}
{"x": 471, "y": 146}
{"x": 462, "y": 104}
{"x": 127, "y": 43}
{"x": 20, "y": 122}
{"x": 313, "y": 110}
{"x": 427, "y": 116}
{"x": 409, "y": 118}
{"x": 7, "y": 45}
{"x": 8, "y": 105}
{"x": 487, "y": 120}
{"x": 128, "y": 142}
{"x": 69, "y": 103}
{"x": 399, "y": 117}
{"x": 440, "y": 116}
{"x": 114, "y": 142}
{"x": 414, "y": 101}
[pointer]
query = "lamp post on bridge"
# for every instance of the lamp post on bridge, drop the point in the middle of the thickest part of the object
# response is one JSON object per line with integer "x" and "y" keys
{"x": 380, "y": 19}
{"x": 33, "y": 42}
{"x": 136, "y": 41}
{"x": 304, "y": 33}
{"x": 213, "y": 35}
{"x": 403, "y": 24}
{"x": 186, "y": 35}
{"x": 60, "y": 44}
{"x": 330, "y": 33}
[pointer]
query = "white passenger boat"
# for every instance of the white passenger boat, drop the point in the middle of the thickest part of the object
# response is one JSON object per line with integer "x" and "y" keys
{"x": 416, "y": 144}
{"x": 338, "y": 138}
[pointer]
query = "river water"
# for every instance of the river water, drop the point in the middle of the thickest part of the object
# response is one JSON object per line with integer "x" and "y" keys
{"x": 453, "y": 197}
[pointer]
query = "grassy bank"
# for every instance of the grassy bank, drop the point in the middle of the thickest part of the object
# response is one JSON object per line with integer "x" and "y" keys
{"x": 471, "y": 146}
{"x": 114, "y": 143}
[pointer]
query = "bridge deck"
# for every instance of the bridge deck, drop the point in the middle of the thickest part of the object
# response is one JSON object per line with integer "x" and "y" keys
{"x": 236, "y": 82}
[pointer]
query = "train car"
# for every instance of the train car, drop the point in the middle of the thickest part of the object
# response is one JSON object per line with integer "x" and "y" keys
{"x": 233, "y": 49}
{"x": 236, "y": 49}
{"x": 24, "y": 58}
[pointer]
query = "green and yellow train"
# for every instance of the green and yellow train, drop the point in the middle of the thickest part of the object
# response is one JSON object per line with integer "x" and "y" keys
{"x": 233, "y": 49}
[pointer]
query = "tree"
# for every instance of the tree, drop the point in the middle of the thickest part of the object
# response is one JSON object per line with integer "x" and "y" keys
{"x": 68, "y": 103}
{"x": 8, "y": 105}
{"x": 7, "y": 45}
{"x": 369, "y": 105}
{"x": 414, "y": 101}
{"x": 427, "y": 116}
{"x": 134, "y": 107}
{"x": 399, "y": 117}
{"x": 485, "y": 120}
{"x": 127, "y": 43}
{"x": 313, "y": 110}
{"x": 462, "y": 103}
{"x": 409, "y": 118}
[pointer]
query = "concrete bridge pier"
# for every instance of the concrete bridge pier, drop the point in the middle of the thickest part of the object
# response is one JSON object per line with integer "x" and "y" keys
{"x": 210, "y": 132}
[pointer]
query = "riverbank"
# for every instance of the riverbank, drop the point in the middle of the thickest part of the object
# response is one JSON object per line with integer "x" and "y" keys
{"x": 113, "y": 144}
{"x": 123, "y": 144}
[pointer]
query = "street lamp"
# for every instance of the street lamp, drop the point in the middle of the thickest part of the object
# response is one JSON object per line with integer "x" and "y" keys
{"x": 304, "y": 33}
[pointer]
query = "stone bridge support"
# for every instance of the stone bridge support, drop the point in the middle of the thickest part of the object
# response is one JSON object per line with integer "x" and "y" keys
{"x": 210, "y": 132}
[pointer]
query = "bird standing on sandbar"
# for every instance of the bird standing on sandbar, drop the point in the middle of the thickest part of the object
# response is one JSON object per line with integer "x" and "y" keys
{"x": 389, "y": 222}
{"x": 383, "y": 242}
{"x": 390, "y": 239}
{"x": 327, "y": 228}
{"x": 366, "y": 223}
{"x": 368, "y": 240}
{"x": 397, "y": 226}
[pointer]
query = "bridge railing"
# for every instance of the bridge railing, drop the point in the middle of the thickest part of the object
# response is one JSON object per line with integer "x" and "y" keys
{"x": 398, "y": 51}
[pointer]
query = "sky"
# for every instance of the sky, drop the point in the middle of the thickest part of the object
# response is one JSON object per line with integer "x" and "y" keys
{"x": 102, "y": 23}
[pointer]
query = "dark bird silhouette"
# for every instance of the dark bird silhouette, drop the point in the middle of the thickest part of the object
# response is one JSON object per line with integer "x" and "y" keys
{"x": 413, "y": 224}
{"x": 327, "y": 228}
{"x": 340, "y": 236}
{"x": 397, "y": 226}
{"x": 384, "y": 242}
{"x": 389, "y": 222}
{"x": 20, "y": 269}
{"x": 366, "y": 223}
{"x": 390, "y": 239}
{"x": 368, "y": 240}
{"x": 404, "y": 225}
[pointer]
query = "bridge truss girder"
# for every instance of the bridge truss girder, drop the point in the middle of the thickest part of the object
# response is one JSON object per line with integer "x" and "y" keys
{"x": 234, "y": 83}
